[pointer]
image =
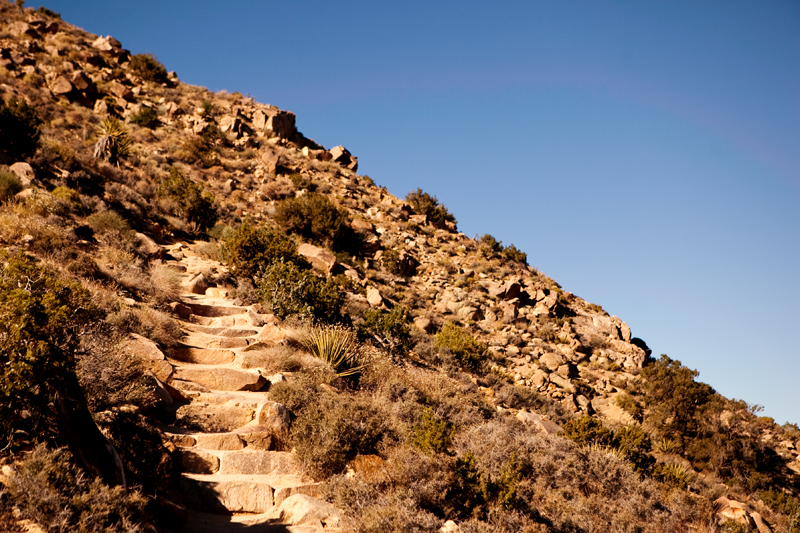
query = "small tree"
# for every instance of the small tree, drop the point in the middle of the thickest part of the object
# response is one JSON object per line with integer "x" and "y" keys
{"x": 19, "y": 129}
{"x": 147, "y": 67}
{"x": 113, "y": 142}
{"x": 464, "y": 348}
{"x": 197, "y": 206}
{"x": 250, "y": 249}
{"x": 314, "y": 217}
{"x": 424, "y": 204}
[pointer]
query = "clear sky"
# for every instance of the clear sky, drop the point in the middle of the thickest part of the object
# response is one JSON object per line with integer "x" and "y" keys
{"x": 645, "y": 155}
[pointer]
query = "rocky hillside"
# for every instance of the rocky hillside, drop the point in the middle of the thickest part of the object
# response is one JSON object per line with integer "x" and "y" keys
{"x": 266, "y": 338}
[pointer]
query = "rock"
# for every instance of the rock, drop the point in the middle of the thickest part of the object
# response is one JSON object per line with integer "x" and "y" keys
{"x": 256, "y": 439}
{"x": 564, "y": 370}
{"x": 196, "y": 284}
{"x": 623, "y": 330}
{"x": 197, "y": 462}
{"x": 221, "y": 378}
{"x": 562, "y": 382}
{"x": 148, "y": 246}
{"x": 584, "y": 404}
{"x": 121, "y": 91}
{"x": 229, "y": 494}
{"x": 274, "y": 418}
{"x": 257, "y": 463}
{"x": 423, "y": 323}
{"x": 551, "y": 360}
{"x": 281, "y": 123}
{"x": 24, "y": 172}
{"x": 181, "y": 310}
{"x": 303, "y": 510}
{"x": 321, "y": 259}
{"x": 374, "y": 297}
{"x": 219, "y": 441}
{"x": 82, "y": 82}
{"x": 61, "y": 86}
{"x": 539, "y": 422}
{"x": 449, "y": 527}
{"x": 230, "y": 124}
{"x": 761, "y": 524}
{"x": 341, "y": 155}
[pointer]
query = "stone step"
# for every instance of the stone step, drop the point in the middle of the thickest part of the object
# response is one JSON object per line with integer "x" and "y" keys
{"x": 223, "y": 321}
{"x": 243, "y": 493}
{"x": 238, "y": 523}
{"x": 215, "y": 418}
{"x": 219, "y": 377}
{"x": 220, "y": 331}
{"x": 256, "y": 462}
{"x": 201, "y": 340}
{"x": 214, "y": 310}
{"x": 203, "y": 356}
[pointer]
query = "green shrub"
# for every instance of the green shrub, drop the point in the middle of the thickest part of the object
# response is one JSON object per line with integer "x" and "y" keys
{"x": 780, "y": 502}
{"x": 424, "y": 204}
{"x": 489, "y": 245}
{"x": 512, "y": 253}
{"x": 147, "y": 67}
{"x": 672, "y": 474}
{"x": 42, "y": 319}
{"x": 389, "y": 329}
{"x": 113, "y": 143}
{"x": 48, "y": 13}
{"x": 314, "y": 217}
{"x": 146, "y": 117}
{"x": 433, "y": 435}
{"x": 51, "y": 491}
{"x": 336, "y": 346}
{"x": 289, "y": 291}
{"x": 588, "y": 430}
{"x": 630, "y": 405}
{"x": 635, "y": 444}
{"x": 461, "y": 345}
{"x": 19, "y": 129}
{"x": 9, "y": 184}
{"x": 197, "y": 206}
{"x": 250, "y": 249}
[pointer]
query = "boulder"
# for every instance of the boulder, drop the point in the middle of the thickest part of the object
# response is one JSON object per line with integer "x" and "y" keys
{"x": 196, "y": 284}
{"x": 303, "y": 510}
{"x": 539, "y": 422}
{"x": 423, "y": 323}
{"x": 61, "y": 86}
{"x": 280, "y": 123}
{"x": 341, "y": 155}
{"x": 551, "y": 360}
{"x": 321, "y": 259}
{"x": 121, "y": 91}
{"x": 727, "y": 509}
{"x": 274, "y": 418}
{"x": 82, "y": 82}
{"x": 374, "y": 297}
{"x": 24, "y": 172}
{"x": 106, "y": 44}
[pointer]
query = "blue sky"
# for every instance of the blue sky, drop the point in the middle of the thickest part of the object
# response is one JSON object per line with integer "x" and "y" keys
{"x": 646, "y": 155}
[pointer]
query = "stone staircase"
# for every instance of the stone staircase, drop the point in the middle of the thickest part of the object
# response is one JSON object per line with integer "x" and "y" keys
{"x": 236, "y": 469}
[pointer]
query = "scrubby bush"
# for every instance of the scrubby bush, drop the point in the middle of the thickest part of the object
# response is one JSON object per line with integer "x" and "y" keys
{"x": 19, "y": 129}
{"x": 630, "y": 405}
{"x": 433, "y": 435}
{"x": 146, "y": 117}
{"x": 314, "y": 217}
{"x": 197, "y": 206}
{"x": 147, "y": 67}
{"x": 424, "y": 204}
{"x": 108, "y": 222}
{"x": 635, "y": 444}
{"x": 389, "y": 329}
{"x": 588, "y": 430}
{"x": 42, "y": 319}
{"x": 289, "y": 291}
{"x": 489, "y": 245}
{"x": 672, "y": 474}
{"x": 250, "y": 249}
{"x": 51, "y": 491}
{"x": 512, "y": 253}
{"x": 9, "y": 184}
{"x": 457, "y": 342}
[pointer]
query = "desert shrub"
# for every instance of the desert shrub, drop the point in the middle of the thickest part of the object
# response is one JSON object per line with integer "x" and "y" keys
{"x": 781, "y": 502}
{"x": 9, "y": 184}
{"x": 159, "y": 327}
{"x": 19, "y": 128}
{"x": 48, "y": 13}
{"x": 433, "y": 435}
{"x": 66, "y": 200}
{"x": 630, "y": 405}
{"x": 457, "y": 342}
{"x": 51, "y": 491}
{"x": 588, "y": 430}
{"x": 295, "y": 394}
{"x": 289, "y": 291}
{"x": 113, "y": 143}
{"x": 314, "y": 217}
{"x": 336, "y": 346}
{"x": 251, "y": 249}
{"x": 146, "y": 117}
{"x": 108, "y": 222}
{"x": 399, "y": 264}
{"x": 489, "y": 245}
{"x": 512, "y": 253}
{"x": 424, "y": 204}
{"x": 333, "y": 430}
{"x": 147, "y": 67}
{"x": 200, "y": 150}
{"x": 635, "y": 444}
{"x": 197, "y": 206}
{"x": 43, "y": 319}
{"x": 389, "y": 329}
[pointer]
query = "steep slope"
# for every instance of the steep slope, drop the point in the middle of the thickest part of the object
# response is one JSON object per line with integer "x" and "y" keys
{"x": 135, "y": 221}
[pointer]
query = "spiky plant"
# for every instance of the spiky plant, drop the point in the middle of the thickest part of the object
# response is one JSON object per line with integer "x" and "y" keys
{"x": 608, "y": 451}
{"x": 337, "y": 346}
{"x": 665, "y": 445}
{"x": 113, "y": 143}
{"x": 673, "y": 474}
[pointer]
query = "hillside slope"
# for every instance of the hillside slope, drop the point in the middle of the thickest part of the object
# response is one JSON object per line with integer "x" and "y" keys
{"x": 214, "y": 241}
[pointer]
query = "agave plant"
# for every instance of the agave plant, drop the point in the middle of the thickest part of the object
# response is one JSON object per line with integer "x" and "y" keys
{"x": 673, "y": 474}
{"x": 336, "y": 346}
{"x": 113, "y": 143}
{"x": 665, "y": 445}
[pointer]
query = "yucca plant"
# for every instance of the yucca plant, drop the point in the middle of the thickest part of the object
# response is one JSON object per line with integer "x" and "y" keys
{"x": 113, "y": 143}
{"x": 673, "y": 474}
{"x": 665, "y": 445}
{"x": 606, "y": 450}
{"x": 337, "y": 346}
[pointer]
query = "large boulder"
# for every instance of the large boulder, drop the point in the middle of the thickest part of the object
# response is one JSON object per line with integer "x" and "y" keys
{"x": 303, "y": 510}
{"x": 321, "y": 259}
{"x": 341, "y": 155}
{"x": 24, "y": 172}
{"x": 539, "y": 422}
